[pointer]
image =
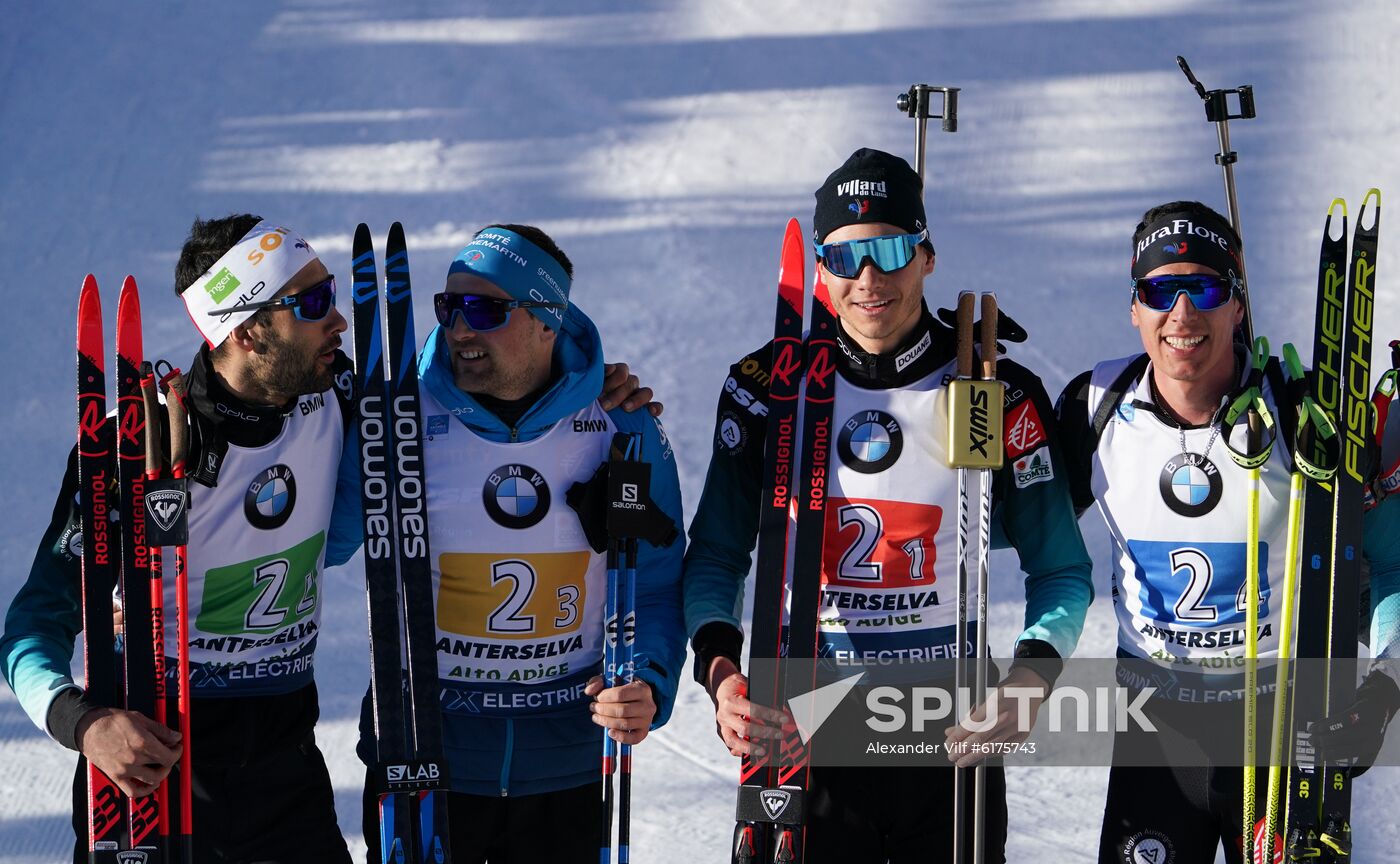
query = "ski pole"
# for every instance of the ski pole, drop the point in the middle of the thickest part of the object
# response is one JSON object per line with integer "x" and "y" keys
{"x": 173, "y": 383}
{"x": 627, "y": 666}
{"x": 1250, "y": 406}
{"x": 154, "y": 469}
{"x": 610, "y": 626}
{"x": 984, "y": 546}
{"x": 1314, "y": 449}
{"x": 964, "y": 346}
{"x": 915, "y": 103}
{"x": 1218, "y": 112}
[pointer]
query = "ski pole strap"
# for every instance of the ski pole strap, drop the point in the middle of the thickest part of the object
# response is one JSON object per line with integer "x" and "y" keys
{"x": 1260, "y": 442}
{"x": 1316, "y": 445}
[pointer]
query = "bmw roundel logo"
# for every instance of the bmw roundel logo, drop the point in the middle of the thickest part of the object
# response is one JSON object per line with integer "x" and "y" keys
{"x": 1190, "y": 484}
{"x": 516, "y": 496}
{"x": 870, "y": 442}
{"x": 270, "y": 498}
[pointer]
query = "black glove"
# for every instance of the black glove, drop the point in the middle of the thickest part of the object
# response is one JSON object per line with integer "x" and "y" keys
{"x": 1358, "y": 731}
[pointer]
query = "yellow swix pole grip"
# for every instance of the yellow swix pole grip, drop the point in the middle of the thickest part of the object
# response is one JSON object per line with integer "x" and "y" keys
{"x": 975, "y": 406}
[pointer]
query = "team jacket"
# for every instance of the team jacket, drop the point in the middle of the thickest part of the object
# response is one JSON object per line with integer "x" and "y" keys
{"x": 519, "y": 594}
{"x": 272, "y": 502}
{"x": 1178, "y": 527}
{"x": 888, "y": 566}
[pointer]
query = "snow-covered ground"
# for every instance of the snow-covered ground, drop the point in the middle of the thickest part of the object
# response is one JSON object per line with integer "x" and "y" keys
{"x": 663, "y": 144}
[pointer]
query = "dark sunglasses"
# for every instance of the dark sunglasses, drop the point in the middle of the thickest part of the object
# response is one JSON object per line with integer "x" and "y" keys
{"x": 482, "y": 314}
{"x": 1159, "y": 293}
{"x": 312, "y": 304}
{"x": 889, "y": 253}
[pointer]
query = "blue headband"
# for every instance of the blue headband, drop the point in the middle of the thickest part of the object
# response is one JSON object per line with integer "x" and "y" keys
{"x": 519, "y": 268}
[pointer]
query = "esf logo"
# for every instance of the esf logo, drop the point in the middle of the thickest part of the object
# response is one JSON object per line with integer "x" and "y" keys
{"x": 516, "y": 496}
{"x": 270, "y": 498}
{"x": 744, "y": 398}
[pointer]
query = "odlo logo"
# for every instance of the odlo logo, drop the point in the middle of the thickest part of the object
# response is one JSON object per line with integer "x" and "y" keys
{"x": 775, "y": 801}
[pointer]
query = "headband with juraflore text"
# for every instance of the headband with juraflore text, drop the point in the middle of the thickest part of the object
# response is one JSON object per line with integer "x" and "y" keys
{"x": 518, "y": 267}
{"x": 256, "y": 268}
{"x": 1192, "y": 237}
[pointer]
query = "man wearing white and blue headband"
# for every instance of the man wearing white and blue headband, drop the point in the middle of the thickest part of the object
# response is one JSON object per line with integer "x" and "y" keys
{"x": 274, "y": 486}
{"x": 1145, "y": 440}
{"x": 512, "y": 426}
{"x": 890, "y": 511}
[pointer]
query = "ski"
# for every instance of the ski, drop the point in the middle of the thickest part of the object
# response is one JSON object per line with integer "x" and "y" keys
{"x": 142, "y": 666}
{"x": 106, "y": 816}
{"x": 410, "y": 768}
{"x": 757, "y": 776}
{"x": 1356, "y": 426}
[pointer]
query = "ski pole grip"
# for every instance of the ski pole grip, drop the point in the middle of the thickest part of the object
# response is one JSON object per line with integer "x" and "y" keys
{"x": 175, "y": 392}
{"x": 964, "y": 333}
{"x": 989, "y": 336}
{"x": 152, "y": 406}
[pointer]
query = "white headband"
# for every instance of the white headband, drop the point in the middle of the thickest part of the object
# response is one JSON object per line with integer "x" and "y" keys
{"x": 255, "y": 269}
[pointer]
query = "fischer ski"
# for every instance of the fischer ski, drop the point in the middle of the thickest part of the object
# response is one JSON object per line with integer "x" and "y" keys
{"x": 410, "y": 767}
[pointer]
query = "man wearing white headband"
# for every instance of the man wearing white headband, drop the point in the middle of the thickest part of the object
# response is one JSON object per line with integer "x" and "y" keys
{"x": 512, "y": 424}
{"x": 274, "y": 500}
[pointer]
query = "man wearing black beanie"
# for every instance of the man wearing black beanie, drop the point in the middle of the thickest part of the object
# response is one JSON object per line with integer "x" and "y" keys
{"x": 892, "y": 487}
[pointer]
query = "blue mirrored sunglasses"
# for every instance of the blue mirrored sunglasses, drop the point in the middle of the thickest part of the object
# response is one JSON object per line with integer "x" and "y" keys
{"x": 482, "y": 314}
{"x": 311, "y": 304}
{"x": 888, "y": 254}
{"x": 1206, "y": 292}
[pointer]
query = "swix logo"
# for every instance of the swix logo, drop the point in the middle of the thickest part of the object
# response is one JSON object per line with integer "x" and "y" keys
{"x": 860, "y": 207}
{"x": 978, "y": 428}
{"x": 165, "y": 506}
{"x": 1175, "y": 248}
{"x": 786, "y": 364}
{"x": 775, "y": 801}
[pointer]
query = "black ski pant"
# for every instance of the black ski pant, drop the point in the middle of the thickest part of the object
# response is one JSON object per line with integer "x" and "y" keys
{"x": 896, "y": 814}
{"x": 277, "y": 808}
{"x": 563, "y": 827}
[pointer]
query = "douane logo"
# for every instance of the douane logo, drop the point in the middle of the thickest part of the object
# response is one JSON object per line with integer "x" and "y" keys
{"x": 223, "y": 284}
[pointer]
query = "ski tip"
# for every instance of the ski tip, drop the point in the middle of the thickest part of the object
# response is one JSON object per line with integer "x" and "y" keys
{"x": 1370, "y": 204}
{"x": 792, "y": 270}
{"x": 130, "y": 301}
{"x": 396, "y": 232}
{"x": 90, "y": 319}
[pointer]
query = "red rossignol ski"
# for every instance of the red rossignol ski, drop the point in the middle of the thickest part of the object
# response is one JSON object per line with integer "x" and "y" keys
{"x": 758, "y": 777}
{"x": 142, "y": 666}
{"x": 106, "y": 814}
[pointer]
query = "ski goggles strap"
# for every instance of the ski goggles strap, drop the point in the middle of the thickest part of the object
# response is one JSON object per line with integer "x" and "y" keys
{"x": 1251, "y": 399}
{"x": 1316, "y": 445}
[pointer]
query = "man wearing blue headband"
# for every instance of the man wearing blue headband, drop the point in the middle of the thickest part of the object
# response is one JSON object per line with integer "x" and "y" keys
{"x": 875, "y": 254}
{"x": 1144, "y": 440}
{"x": 512, "y": 425}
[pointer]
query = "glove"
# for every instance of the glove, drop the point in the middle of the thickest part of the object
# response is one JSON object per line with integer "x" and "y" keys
{"x": 1358, "y": 731}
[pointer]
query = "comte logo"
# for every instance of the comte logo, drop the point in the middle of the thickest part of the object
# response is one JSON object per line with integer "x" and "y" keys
{"x": 223, "y": 284}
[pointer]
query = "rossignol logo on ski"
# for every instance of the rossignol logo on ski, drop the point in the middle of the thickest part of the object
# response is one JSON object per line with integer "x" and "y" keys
{"x": 870, "y": 442}
{"x": 516, "y": 496}
{"x": 132, "y": 857}
{"x": 1190, "y": 484}
{"x": 775, "y": 801}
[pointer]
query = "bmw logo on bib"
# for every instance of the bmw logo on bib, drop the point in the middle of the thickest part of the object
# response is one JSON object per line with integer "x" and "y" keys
{"x": 270, "y": 498}
{"x": 1190, "y": 484}
{"x": 870, "y": 442}
{"x": 516, "y": 496}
